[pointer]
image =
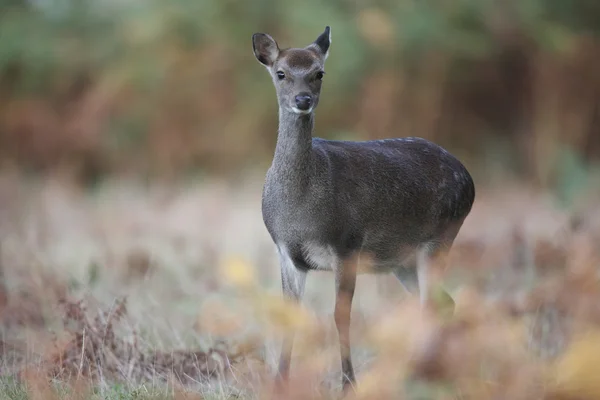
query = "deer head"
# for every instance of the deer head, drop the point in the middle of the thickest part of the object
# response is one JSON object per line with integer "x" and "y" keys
{"x": 297, "y": 72}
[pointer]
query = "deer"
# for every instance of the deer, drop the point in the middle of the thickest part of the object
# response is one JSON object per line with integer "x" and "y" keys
{"x": 325, "y": 203}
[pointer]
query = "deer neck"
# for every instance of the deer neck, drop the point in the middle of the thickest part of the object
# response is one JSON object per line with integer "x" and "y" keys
{"x": 293, "y": 152}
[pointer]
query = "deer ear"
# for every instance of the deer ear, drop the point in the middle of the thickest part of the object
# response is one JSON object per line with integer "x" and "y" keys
{"x": 323, "y": 42}
{"x": 265, "y": 49}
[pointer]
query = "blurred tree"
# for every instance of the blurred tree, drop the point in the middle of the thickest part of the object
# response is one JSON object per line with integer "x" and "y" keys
{"x": 164, "y": 88}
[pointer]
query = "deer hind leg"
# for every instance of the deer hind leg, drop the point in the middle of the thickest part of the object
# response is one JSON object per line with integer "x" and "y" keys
{"x": 407, "y": 275}
{"x": 430, "y": 254}
{"x": 345, "y": 280}
{"x": 415, "y": 277}
{"x": 293, "y": 281}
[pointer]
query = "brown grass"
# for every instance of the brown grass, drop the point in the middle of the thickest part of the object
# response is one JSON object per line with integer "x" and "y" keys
{"x": 203, "y": 311}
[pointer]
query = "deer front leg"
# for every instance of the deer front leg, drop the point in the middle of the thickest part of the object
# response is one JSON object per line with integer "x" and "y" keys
{"x": 345, "y": 285}
{"x": 293, "y": 281}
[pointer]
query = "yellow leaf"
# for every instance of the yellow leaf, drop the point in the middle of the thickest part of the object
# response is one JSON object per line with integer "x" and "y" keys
{"x": 575, "y": 372}
{"x": 370, "y": 384}
{"x": 442, "y": 301}
{"x": 286, "y": 315}
{"x": 237, "y": 272}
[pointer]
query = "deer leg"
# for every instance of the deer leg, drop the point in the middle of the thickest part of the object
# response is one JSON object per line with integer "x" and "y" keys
{"x": 414, "y": 276}
{"x": 345, "y": 285}
{"x": 407, "y": 275}
{"x": 423, "y": 266}
{"x": 293, "y": 281}
{"x": 427, "y": 256}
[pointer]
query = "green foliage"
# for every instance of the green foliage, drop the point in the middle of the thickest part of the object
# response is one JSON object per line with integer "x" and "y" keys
{"x": 122, "y": 392}
{"x": 49, "y": 38}
{"x": 574, "y": 177}
{"x": 12, "y": 390}
{"x": 152, "y": 68}
{"x": 578, "y": 15}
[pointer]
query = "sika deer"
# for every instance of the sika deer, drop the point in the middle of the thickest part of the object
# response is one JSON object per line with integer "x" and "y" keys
{"x": 401, "y": 201}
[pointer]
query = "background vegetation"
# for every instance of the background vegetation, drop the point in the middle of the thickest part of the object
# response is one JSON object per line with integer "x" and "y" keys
{"x": 165, "y": 88}
{"x": 134, "y": 136}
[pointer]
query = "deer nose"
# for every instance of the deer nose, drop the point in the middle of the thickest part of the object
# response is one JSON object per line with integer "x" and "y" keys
{"x": 303, "y": 101}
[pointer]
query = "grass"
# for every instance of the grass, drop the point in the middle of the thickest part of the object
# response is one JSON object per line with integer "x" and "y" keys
{"x": 11, "y": 390}
{"x": 173, "y": 292}
{"x": 15, "y": 391}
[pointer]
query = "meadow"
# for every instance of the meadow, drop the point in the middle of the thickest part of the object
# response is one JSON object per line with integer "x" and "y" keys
{"x": 156, "y": 291}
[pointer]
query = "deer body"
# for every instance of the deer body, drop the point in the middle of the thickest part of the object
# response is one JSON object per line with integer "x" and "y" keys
{"x": 383, "y": 198}
{"x": 328, "y": 203}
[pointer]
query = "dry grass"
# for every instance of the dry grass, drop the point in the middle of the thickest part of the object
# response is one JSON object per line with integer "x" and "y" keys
{"x": 174, "y": 292}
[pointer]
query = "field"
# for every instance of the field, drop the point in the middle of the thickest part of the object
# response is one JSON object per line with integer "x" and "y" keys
{"x": 127, "y": 291}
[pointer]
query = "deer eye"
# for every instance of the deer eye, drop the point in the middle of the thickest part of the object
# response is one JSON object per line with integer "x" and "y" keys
{"x": 280, "y": 75}
{"x": 320, "y": 74}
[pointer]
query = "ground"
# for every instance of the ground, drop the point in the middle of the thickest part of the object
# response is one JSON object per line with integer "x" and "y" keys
{"x": 172, "y": 291}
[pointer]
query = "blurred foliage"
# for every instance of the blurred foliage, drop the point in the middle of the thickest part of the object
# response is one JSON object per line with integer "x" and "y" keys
{"x": 573, "y": 372}
{"x": 164, "y": 88}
